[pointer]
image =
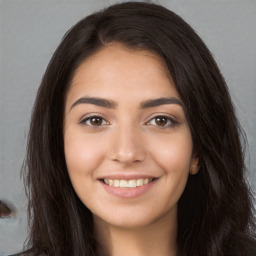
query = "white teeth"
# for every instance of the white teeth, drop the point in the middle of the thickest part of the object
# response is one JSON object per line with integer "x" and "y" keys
{"x": 123, "y": 184}
{"x": 139, "y": 182}
{"x": 132, "y": 183}
{"x": 116, "y": 183}
{"x": 127, "y": 183}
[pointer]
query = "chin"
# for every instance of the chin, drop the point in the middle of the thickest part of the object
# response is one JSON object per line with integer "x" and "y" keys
{"x": 135, "y": 219}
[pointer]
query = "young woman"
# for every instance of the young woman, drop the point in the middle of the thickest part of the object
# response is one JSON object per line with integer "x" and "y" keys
{"x": 134, "y": 147}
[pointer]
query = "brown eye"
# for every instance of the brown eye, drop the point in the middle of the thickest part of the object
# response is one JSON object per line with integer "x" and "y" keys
{"x": 161, "y": 121}
{"x": 94, "y": 121}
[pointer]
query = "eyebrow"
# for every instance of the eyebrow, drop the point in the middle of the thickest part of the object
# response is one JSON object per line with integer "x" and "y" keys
{"x": 95, "y": 101}
{"x": 112, "y": 105}
{"x": 161, "y": 101}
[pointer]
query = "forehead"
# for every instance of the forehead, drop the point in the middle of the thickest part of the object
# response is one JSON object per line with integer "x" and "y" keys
{"x": 115, "y": 69}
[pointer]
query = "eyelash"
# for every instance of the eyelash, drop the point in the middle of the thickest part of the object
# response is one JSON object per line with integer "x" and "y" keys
{"x": 84, "y": 120}
{"x": 172, "y": 122}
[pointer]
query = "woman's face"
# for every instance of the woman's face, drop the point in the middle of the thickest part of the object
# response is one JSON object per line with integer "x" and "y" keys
{"x": 128, "y": 146}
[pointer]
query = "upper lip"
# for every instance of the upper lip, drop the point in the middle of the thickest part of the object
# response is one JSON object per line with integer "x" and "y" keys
{"x": 124, "y": 176}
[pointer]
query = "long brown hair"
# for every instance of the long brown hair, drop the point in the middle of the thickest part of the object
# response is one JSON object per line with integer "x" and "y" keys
{"x": 215, "y": 211}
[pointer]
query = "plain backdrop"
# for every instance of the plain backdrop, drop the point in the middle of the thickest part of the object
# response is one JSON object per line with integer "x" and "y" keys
{"x": 30, "y": 31}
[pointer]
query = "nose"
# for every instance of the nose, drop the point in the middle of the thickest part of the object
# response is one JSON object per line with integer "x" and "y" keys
{"x": 128, "y": 145}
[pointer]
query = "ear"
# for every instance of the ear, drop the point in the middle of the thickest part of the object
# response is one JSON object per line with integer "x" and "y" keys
{"x": 194, "y": 165}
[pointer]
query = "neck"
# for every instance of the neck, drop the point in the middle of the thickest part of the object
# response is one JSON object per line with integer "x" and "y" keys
{"x": 158, "y": 238}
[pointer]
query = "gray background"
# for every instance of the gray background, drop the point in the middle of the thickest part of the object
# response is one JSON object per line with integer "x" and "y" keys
{"x": 31, "y": 30}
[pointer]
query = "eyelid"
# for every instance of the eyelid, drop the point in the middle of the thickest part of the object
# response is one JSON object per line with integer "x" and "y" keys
{"x": 85, "y": 118}
{"x": 171, "y": 118}
{"x": 173, "y": 121}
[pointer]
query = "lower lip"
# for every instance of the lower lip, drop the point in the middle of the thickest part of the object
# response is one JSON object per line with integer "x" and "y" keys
{"x": 128, "y": 192}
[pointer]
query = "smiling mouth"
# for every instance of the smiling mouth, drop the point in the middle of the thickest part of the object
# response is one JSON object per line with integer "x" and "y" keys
{"x": 128, "y": 183}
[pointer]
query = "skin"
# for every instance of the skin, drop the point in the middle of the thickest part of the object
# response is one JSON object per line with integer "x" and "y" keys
{"x": 128, "y": 141}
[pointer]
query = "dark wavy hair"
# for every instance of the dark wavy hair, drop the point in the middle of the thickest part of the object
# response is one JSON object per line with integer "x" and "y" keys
{"x": 215, "y": 215}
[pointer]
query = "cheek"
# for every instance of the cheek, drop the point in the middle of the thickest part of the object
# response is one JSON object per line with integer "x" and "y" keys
{"x": 174, "y": 158}
{"x": 173, "y": 150}
{"x": 173, "y": 155}
{"x": 82, "y": 153}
